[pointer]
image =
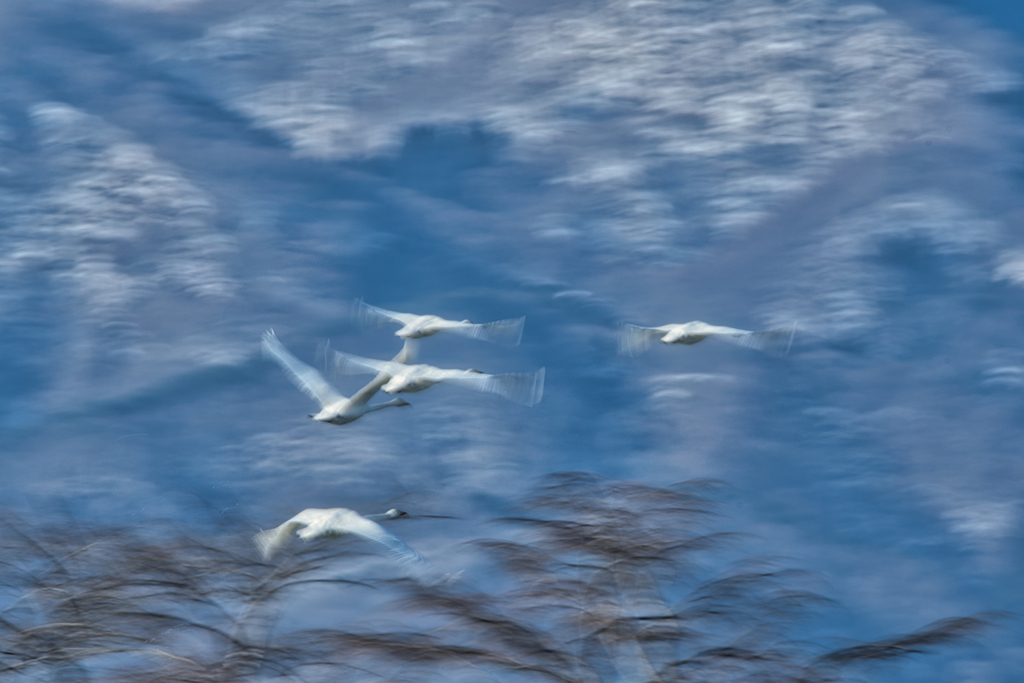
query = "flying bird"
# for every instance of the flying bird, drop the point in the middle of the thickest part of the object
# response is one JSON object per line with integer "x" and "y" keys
{"x": 507, "y": 332}
{"x": 526, "y": 388}
{"x": 334, "y": 522}
{"x": 634, "y": 339}
{"x": 334, "y": 407}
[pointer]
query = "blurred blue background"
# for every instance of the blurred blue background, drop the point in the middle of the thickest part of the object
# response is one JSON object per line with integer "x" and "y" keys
{"x": 180, "y": 175}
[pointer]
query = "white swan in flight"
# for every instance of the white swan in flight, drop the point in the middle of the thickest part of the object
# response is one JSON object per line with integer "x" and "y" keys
{"x": 526, "y": 388}
{"x": 334, "y": 407}
{"x": 334, "y": 522}
{"x": 508, "y": 332}
{"x": 635, "y": 339}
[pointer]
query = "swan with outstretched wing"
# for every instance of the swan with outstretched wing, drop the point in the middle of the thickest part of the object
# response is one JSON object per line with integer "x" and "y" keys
{"x": 334, "y": 522}
{"x": 525, "y": 388}
{"x": 634, "y": 339}
{"x": 507, "y": 332}
{"x": 334, "y": 408}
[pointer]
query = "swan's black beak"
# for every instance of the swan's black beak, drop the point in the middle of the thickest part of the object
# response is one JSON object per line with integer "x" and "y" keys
{"x": 311, "y": 416}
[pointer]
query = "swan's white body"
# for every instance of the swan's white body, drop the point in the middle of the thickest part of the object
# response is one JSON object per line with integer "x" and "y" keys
{"x": 635, "y": 339}
{"x": 334, "y": 407}
{"x": 525, "y": 388}
{"x": 334, "y": 522}
{"x": 507, "y": 332}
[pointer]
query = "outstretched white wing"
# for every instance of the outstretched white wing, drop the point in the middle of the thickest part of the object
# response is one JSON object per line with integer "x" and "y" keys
{"x": 526, "y": 388}
{"x": 351, "y": 364}
{"x": 272, "y": 540}
{"x": 505, "y": 332}
{"x": 307, "y": 379}
{"x": 378, "y": 316}
{"x": 717, "y": 330}
{"x": 776, "y": 342}
{"x": 634, "y": 340}
{"x": 351, "y": 522}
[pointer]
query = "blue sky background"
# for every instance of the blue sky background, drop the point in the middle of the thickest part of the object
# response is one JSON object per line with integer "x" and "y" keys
{"x": 179, "y": 176}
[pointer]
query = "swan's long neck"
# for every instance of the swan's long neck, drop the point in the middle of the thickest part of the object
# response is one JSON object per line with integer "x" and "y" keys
{"x": 386, "y": 404}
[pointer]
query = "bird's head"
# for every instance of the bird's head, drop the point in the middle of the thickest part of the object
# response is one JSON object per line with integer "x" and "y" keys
{"x": 396, "y": 385}
{"x": 395, "y": 513}
{"x": 674, "y": 336}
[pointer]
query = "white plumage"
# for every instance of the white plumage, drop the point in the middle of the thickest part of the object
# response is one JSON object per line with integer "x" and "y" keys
{"x": 507, "y": 332}
{"x": 526, "y": 388}
{"x": 334, "y": 522}
{"x": 334, "y": 407}
{"x": 635, "y": 339}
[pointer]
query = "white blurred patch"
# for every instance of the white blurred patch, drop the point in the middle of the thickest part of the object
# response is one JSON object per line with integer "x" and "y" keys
{"x": 984, "y": 522}
{"x": 555, "y": 226}
{"x": 1010, "y": 267}
{"x": 691, "y": 377}
{"x": 672, "y": 394}
{"x": 603, "y": 171}
{"x": 582, "y": 297}
{"x": 1007, "y": 376}
{"x": 575, "y": 295}
{"x": 1003, "y": 368}
{"x": 685, "y": 385}
{"x": 315, "y": 128}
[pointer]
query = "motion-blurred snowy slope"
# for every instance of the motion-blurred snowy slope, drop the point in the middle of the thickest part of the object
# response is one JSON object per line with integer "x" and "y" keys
{"x": 652, "y": 127}
{"x": 182, "y": 175}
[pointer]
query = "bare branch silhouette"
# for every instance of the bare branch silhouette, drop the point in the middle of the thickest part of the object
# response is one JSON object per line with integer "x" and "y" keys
{"x": 597, "y": 581}
{"x": 150, "y": 604}
{"x": 607, "y": 581}
{"x": 940, "y": 633}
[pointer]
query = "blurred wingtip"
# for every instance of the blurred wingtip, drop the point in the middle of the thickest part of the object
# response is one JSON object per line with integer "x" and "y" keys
{"x": 789, "y": 341}
{"x": 507, "y": 332}
{"x": 775, "y": 342}
{"x": 367, "y": 315}
{"x": 633, "y": 340}
{"x": 264, "y": 543}
{"x": 269, "y": 342}
{"x": 533, "y": 388}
